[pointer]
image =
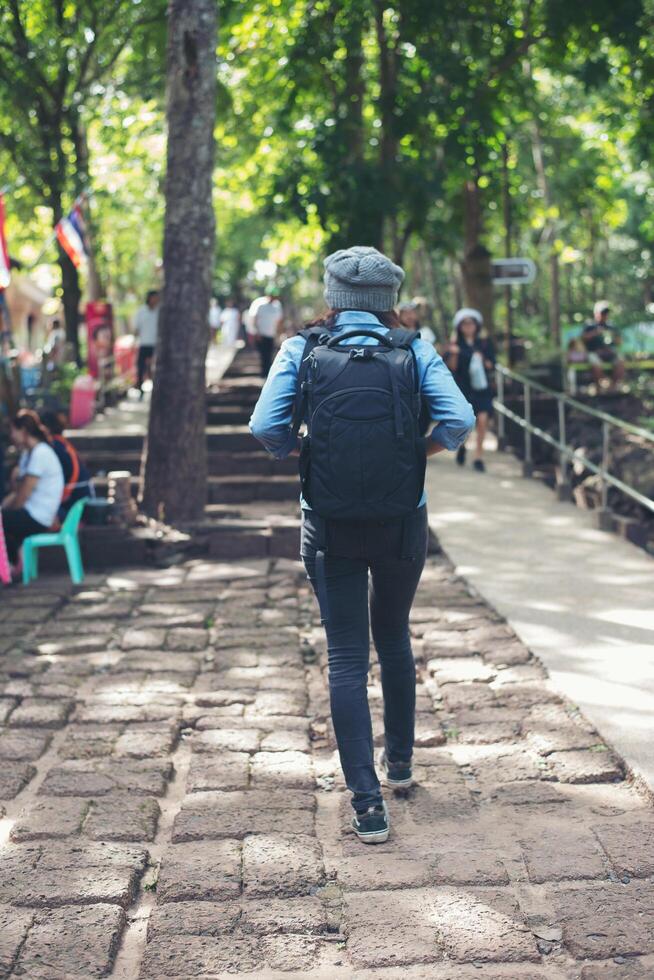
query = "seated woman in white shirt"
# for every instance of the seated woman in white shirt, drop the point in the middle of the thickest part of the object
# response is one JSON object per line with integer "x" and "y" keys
{"x": 32, "y": 506}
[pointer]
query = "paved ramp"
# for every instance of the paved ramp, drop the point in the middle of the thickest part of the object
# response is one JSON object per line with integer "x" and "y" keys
{"x": 580, "y": 598}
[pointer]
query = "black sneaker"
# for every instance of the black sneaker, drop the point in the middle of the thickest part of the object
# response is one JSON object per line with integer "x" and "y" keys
{"x": 398, "y": 775}
{"x": 373, "y": 825}
{"x": 461, "y": 455}
{"x": 479, "y": 466}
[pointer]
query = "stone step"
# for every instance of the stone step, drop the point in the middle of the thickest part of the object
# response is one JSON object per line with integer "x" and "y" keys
{"x": 228, "y": 415}
{"x": 110, "y": 547}
{"x": 276, "y": 536}
{"x": 229, "y": 438}
{"x": 234, "y": 394}
{"x": 244, "y": 368}
{"x": 219, "y": 464}
{"x": 230, "y": 489}
{"x": 257, "y": 463}
{"x": 247, "y": 491}
{"x": 224, "y": 534}
{"x": 241, "y": 489}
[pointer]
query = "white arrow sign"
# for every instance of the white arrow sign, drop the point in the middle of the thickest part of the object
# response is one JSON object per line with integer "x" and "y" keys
{"x": 513, "y": 272}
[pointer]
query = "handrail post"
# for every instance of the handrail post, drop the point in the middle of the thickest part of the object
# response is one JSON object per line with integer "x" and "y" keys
{"x": 563, "y": 485}
{"x": 528, "y": 465}
{"x": 604, "y": 516}
{"x": 501, "y": 421}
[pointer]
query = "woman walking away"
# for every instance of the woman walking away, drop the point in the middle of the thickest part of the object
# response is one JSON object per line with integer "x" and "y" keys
{"x": 471, "y": 360}
{"x": 357, "y": 379}
{"x": 32, "y": 506}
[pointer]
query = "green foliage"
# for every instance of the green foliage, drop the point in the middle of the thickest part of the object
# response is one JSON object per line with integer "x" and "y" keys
{"x": 375, "y": 117}
{"x": 56, "y": 59}
{"x": 61, "y": 385}
{"x": 345, "y": 121}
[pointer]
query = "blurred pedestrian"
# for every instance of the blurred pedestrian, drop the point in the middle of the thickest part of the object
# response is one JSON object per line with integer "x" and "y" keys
{"x": 600, "y": 339}
{"x": 264, "y": 319}
{"x": 230, "y": 323}
{"x": 409, "y": 317}
{"x": 214, "y": 317}
{"x": 147, "y": 330}
{"x": 471, "y": 359}
{"x": 55, "y": 344}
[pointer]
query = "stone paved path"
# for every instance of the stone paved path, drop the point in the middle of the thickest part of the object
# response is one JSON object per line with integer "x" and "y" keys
{"x": 172, "y": 807}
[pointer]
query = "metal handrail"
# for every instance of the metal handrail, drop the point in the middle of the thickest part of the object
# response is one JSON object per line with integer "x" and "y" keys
{"x": 566, "y": 453}
{"x": 561, "y": 396}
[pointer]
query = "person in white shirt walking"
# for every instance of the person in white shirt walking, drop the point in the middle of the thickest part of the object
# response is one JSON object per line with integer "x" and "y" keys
{"x": 230, "y": 323}
{"x": 147, "y": 328}
{"x": 264, "y": 319}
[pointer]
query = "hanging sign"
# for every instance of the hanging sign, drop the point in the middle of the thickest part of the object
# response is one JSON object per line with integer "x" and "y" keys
{"x": 513, "y": 272}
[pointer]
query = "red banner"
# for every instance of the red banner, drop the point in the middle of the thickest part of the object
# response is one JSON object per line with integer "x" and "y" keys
{"x": 4, "y": 254}
{"x": 100, "y": 336}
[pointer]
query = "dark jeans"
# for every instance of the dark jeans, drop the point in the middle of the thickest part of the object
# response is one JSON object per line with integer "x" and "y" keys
{"x": 338, "y": 557}
{"x": 18, "y": 525}
{"x": 146, "y": 353}
{"x": 266, "y": 347}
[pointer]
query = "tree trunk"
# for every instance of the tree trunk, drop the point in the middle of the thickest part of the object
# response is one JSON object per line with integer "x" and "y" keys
{"x": 361, "y": 222}
{"x": 175, "y": 467}
{"x": 388, "y": 136}
{"x": 508, "y": 247}
{"x": 455, "y": 276}
{"x": 72, "y": 296}
{"x": 437, "y": 293}
{"x": 555, "y": 298}
{"x": 94, "y": 285}
{"x": 549, "y": 236}
{"x": 569, "y": 294}
{"x": 476, "y": 265}
{"x": 355, "y": 90}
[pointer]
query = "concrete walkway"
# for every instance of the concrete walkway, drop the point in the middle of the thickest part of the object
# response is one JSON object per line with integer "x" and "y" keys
{"x": 581, "y": 599}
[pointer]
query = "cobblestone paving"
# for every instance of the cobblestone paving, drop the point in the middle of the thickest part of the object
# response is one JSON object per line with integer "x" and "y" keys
{"x": 172, "y": 806}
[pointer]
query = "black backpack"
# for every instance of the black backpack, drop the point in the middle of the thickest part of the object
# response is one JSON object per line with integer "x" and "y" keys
{"x": 362, "y": 457}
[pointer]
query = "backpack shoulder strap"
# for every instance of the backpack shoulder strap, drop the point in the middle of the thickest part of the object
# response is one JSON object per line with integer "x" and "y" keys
{"x": 314, "y": 336}
{"x": 399, "y": 337}
{"x": 402, "y": 339}
{"x": 310, "y": 333}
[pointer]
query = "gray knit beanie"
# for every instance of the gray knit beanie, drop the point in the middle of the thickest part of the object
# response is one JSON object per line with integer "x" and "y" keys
{"x": 361, "y": 278}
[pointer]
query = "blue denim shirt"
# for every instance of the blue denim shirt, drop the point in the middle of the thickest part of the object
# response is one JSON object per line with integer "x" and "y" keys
{"x": 272, "y": 416}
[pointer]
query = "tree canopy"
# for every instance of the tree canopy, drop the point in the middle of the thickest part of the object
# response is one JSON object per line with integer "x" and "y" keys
{"x": 443, "y": 133}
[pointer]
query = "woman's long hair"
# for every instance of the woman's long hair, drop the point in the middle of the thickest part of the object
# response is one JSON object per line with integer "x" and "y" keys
{"x": 388, "y": 318}
{"x": 28, "y": 421}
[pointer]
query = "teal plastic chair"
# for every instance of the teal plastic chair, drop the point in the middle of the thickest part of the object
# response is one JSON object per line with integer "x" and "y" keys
{"x": 67, "y": 538}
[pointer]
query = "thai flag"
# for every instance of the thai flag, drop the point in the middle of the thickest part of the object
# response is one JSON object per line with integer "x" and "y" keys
{"x": 70, "y": 232}
{"x": 4, "y": 254}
